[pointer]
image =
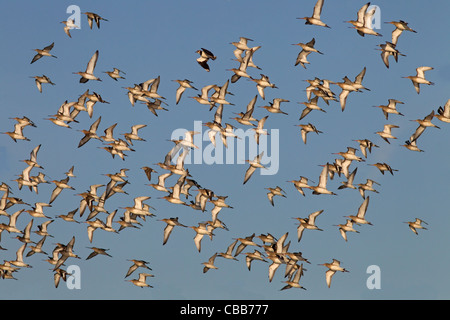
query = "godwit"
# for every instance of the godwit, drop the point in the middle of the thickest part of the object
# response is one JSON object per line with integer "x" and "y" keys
{"x": 68, "y": 25}
{"x": 360, "y": 17}
{"x": 126, "y": 221}
{"x": 412, "y": 145}
{"x": 229, "y": 253}
{"x": 426, "y": 121}
{"x": 59, "y": 186}
{"x": 366, "y": 26}
{"x": 11, "y": 226}
{"x": 262, "y": 83}
{"x": 93, "y": 17}
{"x": 349, "y": 182}
{"x": 115, "y": 74}
{"x": 241, "y": 44}
{"x": 148, "y": 172}
{"x": 419, "y": 78}
{"x": 267, "y": 238}
{"x": 254, "y": 164}
{"x": 310, "y": 105}
{"x": 244, "y": 242}
{"x": 37, "y": 248}
{"x": 277, "y": 191}
{"x": 138, "y": 207}
{"x": 155, "y": 105}
{"x": 360, "y": 217}
{"x": 294, "y": 280}
{"x": 201, "y": 230}
{"x": 210, "y": 263}
{"x": 389, "y": 49}
{"x": 42, "y": 229}
{"x": 19, "y": 258}
{"x": 247, "y": 118}
{"x": 24, "y": 121}
{"x": 204, "y": 98}
{"x": 400, "y": 26}
{"x": 174, "y": 196}
{"x": 43, "y": 52}
{"x": 219, "y": 96}
{"x": 386, "y": 133}
{"x": 307, "y": 223}
{"x": 443, "y": 113}
{"x": 300, "y": 184}
{"x": 88, "y": 74}
{"x": 275, "y": 106}
{"x": 347, "y": 227}
{"x": 137, "y": 264}
{"x": 69, "y": 217}
{"x": 307, "y": 48}
{"x": 350, "y": 154}
{"x": 160, "y": 186}
{"x": 37, "y": 211}
{"x": 133, "y": 135}
{"x": 141, "y": 281}
{"x": 25, "y": 237}
{"x": 321, "y": 188}
{"x": 306, "y": 128}
{"x": 205, "y": 55}
{"x": 390, "y": 108}
{"x": 347, "y": 87}
{"x": 42, "y": 79}
{"x": 416, "y": 224}
{"x": 91, "y": 133}
{"x": 184, "y": 84}
{"x": 332, "y": 268}
{"x": 368, "y": 186}
{"x": 171, "y": 223}
{"x": 366, "y": 145}
{"x": 97, "y": 251}
{"x": 92, "y": 226}
{"x": 383, "y": 167}
{"x": 315, "y": 18}
{"x": 243, "y": 65}
{"x": 92, "y": 99}
{"x": 58, "y": 275}
{"x": 259, "y": 130}
{"x": 250, "y": 256}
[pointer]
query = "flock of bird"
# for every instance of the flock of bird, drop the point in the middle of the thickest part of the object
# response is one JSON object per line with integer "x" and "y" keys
{"x": 269, "y": 249}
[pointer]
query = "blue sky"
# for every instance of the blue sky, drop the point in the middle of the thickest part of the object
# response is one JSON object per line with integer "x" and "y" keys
{"x": 159, "y": 38}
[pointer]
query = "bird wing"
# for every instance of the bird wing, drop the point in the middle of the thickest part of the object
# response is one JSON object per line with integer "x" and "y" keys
{"x": 249, "y": 173}
{"x": 361, "y": 12}
{"x": 197, "y": 240}
{"x": 179, "y": 93}
{"x": 420, "y": 129}
{"x": 92, "y": 62}
{"x": 328, "y": 275}
{"x": 300, "y": 229}
{"x": 167, "y": 230}
{"x": 343, "y": 233}
{"x": 270, "y": 196}
{"x": 363, "y": 208}
{"x": 312, "y": 217}
{"x": 421, "y": 71}
{"x": 323, "y": 177}
{"x": 55, "y": 193}
{"x": 317, "y": 9}
{"x": 272, "y": 268}
{"x": 343, "y": 98}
